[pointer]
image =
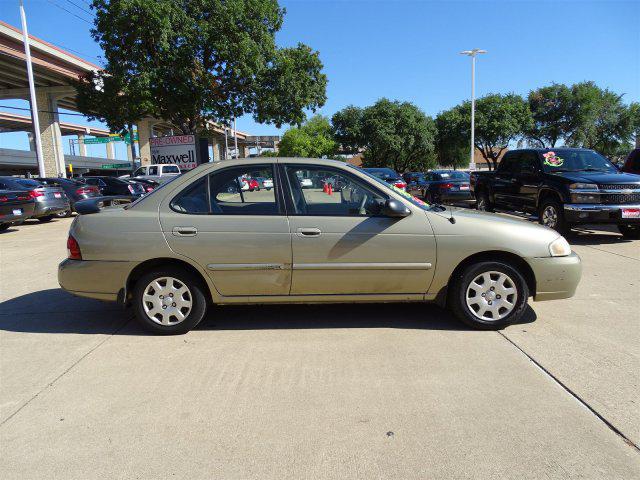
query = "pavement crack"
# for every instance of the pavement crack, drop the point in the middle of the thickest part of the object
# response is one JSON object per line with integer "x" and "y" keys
{"x": 574, "y": 395}
{"x": 67, "y": 370}
{"x": 612, "y": 253}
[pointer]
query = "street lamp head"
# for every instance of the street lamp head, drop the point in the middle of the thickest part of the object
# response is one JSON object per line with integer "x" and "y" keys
{"x": 473, "y": 53}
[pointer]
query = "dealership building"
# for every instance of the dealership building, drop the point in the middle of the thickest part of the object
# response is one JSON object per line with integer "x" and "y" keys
{"x": 54, "y": 71}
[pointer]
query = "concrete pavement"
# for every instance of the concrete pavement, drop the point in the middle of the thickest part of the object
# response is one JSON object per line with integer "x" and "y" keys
{"x": 340, "y": 391}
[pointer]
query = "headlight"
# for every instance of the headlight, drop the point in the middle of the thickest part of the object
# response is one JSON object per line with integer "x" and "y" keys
{"x": 559, "y": 247}
{"x": 583, "y": 186}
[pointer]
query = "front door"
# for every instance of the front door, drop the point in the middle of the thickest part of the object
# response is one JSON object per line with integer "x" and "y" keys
{"x": 234, "y": 229}
{"x": 340, "y": 244}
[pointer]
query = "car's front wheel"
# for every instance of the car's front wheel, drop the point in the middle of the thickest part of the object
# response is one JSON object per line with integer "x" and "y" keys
{"x": 489, "y": 295}
{"x": 169, "y": 301}
{"x": 631, "y": 232}
{"x": 551, "y": 214}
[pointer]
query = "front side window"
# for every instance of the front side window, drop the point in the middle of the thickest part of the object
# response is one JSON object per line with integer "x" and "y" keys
{"x": 331, "y": 193}
{"x": 231, "y": 191}
{"x": 139, "y": 172}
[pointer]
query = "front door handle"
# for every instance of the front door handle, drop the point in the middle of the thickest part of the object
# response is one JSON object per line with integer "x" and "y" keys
{"x": 185, "y": 231}
{"x": 309, "y": 232}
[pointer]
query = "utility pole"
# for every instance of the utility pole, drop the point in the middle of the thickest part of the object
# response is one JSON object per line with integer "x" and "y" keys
{"x": 32, "y": 95}
{"x": 226, "y": 143}
{"x": 473, "y": 53}
{"x": 235, "y": 137}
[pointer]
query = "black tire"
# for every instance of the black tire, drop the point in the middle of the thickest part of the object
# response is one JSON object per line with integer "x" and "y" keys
{"x": 65, "y": 214}
{"x": 4, "y": 226}
{"x": 632, "y": 232}
{"x": 45, "y": 219}
{"x": 551, "y": 214}
{"x": 196, "y": 294}
{"x": 457, "y": 298}
{"x": 483, "y": 202}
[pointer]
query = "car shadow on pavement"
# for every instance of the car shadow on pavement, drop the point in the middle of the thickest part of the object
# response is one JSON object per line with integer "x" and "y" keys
{"x": 55, "y": 311}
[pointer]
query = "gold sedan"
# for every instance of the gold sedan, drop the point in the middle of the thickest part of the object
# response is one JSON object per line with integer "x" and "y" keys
{"x": 325, "y": 232}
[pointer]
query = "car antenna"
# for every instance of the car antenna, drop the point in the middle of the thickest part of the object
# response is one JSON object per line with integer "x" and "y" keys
{"x": 451, "y": 219}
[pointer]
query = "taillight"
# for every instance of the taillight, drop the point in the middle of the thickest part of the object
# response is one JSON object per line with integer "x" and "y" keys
{"x": 400, "y": 184}
{"x": 131, "y": 188}
{"x": 24, "y": 197}
{"x": 4, "y": 199}
{"x": 35, "y": 193}
{"x": 446, "y": 186}
{"x": 149, "y": 188}
{"x": 73, "y": 249}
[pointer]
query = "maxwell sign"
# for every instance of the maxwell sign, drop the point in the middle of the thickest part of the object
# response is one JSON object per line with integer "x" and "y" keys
{"x": 178, "y": 149}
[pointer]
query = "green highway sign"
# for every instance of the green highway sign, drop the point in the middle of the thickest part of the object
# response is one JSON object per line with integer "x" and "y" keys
{"x": 90, "y": 141}
{"x": 116, "y": 165}
{"x": 113, "y": 137}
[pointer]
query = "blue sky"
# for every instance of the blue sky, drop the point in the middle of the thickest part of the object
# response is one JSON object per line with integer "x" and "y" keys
{"x": 408, "y": 50}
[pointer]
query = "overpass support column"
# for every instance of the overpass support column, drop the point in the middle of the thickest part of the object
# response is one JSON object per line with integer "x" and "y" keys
{"x": 144, "y": 133}
{"x": 32, "y": 142}
{"x": 82, "y": 148}
{"x": 50, "y": 134}
{"x": 242, "y": 151}
{"x": 216, "y": 147}
{"x": 110, "y": 154}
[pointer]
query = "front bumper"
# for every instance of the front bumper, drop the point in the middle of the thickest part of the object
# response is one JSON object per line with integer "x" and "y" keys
{"x": 98, "y": 279}
{"x": 576, "y": 213}
{"x": 556, "y": 277}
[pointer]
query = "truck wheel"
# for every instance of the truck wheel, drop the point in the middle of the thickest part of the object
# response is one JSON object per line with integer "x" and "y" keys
{"x": 489, "y": 295}
{"x": 169, "y": 301}
{"x": 551, "y": 214}
{"x": 45, "y": 219}
{"x": 632, "y": 232}
{"x": 483, "y": 203}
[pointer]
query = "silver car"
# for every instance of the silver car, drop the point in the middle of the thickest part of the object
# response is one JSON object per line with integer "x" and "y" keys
{"x": 201, "y": 239}
{"x": 49, "y": 200}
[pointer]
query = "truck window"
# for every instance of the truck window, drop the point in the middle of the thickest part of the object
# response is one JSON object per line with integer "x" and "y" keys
{"x": 529, "y": 162}
{"x": 509, "y": 163}
{"x": 170, "y": 169}
{"x": 153, "y": 170}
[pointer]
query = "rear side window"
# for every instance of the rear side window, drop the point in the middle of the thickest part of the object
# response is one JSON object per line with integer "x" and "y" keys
{"x": 170, "y": 169}
{"x": 232, "y": 191}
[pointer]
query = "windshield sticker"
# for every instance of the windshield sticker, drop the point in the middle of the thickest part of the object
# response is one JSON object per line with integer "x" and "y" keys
{"x": 551, "y": 159}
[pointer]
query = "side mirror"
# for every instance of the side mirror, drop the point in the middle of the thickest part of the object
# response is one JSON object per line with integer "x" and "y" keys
{"x": 394, "y": 208}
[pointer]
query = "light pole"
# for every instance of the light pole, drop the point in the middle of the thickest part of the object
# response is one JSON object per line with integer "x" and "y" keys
{"x": 472, "y": 54}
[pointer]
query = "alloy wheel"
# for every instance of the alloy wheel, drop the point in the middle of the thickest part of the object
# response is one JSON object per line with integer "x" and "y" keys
{"x": 491, "y": 296}
{"x": 167, "y": 301}
{"x": 550, "y": 216}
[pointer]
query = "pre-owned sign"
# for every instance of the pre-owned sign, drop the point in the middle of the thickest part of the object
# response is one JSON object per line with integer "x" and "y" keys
{"x": 178, "y": 149}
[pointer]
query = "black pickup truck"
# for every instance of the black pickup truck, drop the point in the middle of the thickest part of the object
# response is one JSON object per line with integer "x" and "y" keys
{"x": 564, "y": 186}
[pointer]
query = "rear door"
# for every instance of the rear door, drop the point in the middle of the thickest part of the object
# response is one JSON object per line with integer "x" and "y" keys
{"x": 240, "y": 238}
{"x": 504, "y": 186}
{"x": 528, "y": 179}
{"x": 341, "y": 246}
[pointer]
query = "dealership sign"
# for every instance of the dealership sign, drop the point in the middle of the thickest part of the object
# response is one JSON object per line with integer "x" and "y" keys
{"x": 180, "y": 150}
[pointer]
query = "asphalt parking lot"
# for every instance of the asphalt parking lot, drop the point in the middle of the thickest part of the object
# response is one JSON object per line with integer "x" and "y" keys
{"x": 339, "y": 391}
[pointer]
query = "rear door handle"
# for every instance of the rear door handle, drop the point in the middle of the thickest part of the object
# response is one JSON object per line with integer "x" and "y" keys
{"x": 185, "y": 231}
{"x": 309, "y": 232}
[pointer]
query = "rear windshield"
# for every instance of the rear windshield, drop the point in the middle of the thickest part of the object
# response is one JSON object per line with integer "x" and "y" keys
{"x": 152, "y": 192}
{"x": 25, "y": 182}
{"x": 452, "y": 175}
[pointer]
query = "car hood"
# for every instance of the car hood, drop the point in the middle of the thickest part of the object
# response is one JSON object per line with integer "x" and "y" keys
{"x": 600, "y": 177}
{"x": 483, "y": 231}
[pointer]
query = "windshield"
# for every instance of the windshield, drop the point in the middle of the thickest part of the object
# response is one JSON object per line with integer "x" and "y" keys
{"x": 383, "y": 173}
{"x": 380, "y": 182}
{"x": 576, "y": 161}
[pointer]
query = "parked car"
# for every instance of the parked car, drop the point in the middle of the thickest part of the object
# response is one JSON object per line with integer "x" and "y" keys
{"x": 148, "y": 184}
{"x": 376, "y": 244}
{"x": 115, "y": 186}
{"x": 266, "y": 183}
{"x": 158, "y": 172}
{"x": 632, "y": 163}
{"x": 389, "y": 176}
{"x": 446, "y": 186}
{"x": 565, "y": 186}
{"x": 49, "y": 200}
{"x": 15, "y": 207}
{"x": 75, "y": 191}
{"x": 413, "y": 177}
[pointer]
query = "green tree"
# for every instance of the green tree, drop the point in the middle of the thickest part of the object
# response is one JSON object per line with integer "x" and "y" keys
{"x": 551, "y": 110}
{"x": 499, "y": 119}
{"x": 452, "y": 139}
{"x": 313, "y": 139}
{"x": 600, "y": 119}
{"x": 346, "y": 126}
{"x": 398, "y": 135}
{"x": 192, "y": 62}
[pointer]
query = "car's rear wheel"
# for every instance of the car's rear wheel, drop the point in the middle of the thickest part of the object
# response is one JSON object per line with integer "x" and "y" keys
{"x": 483, "y": 202}
{"x": 631, "y": 232}
{"x": 169, "y": 301}
{"x": 551, "y": 214}
{"x": 489, "y": 295}
{"x": 4, "y": 226}
{"x": 45, "y": 219}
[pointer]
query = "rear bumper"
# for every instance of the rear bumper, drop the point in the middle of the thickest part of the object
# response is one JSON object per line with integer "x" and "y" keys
{"x": 576, "y": 213}
{"x": 50, "y": 208}
{"x": 102, "y": 280}
{"x": 556, "y": 277}
{"x": 7, "y": 215}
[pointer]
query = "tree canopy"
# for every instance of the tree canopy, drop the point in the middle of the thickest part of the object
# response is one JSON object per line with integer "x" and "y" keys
{"x": 347, "y": 129}
{"x": 551, "y": 115}
{"x": 191, "y": 62}
{"x": 313, "y": 139}
{"x": 452, "y": 145}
